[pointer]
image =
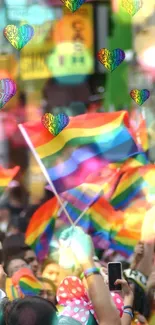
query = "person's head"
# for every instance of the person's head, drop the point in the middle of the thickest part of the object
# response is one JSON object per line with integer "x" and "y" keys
{"x": 31, "y": 259}
{"x": 30, "y": 311}
{"x": 51, "y": 271}
{"x": 48, "y": 290}
{"x": 14, "y": 265}
{"x": 12, "y": 246}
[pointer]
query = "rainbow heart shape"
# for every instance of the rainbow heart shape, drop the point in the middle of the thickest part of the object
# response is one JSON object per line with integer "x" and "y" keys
{"x": 132, "y": 6}
{"x": 55, "y": 124}
{"x": 140, "y": 96}
{"x": 18, "y": 36}
{"x": 73, "y": 5}
{"x": 111, "y": 59}
{"x": 7, "y": 90}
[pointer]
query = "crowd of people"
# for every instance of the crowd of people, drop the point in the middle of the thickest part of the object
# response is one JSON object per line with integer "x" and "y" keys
{"x": 75, "y": 294}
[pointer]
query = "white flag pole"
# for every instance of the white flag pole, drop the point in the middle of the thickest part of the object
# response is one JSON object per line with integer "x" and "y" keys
{"x": 81, "y": 215}
{"x": 86, "y": 209}
{"x": 27, "y": 139}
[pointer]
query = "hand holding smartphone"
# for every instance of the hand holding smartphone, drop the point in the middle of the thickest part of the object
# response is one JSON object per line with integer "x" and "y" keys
{"x": 114, "y": 273}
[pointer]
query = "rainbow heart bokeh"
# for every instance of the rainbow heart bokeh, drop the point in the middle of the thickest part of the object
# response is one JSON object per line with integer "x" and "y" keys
{"x": 132, "y": 6}
{"x": 55, "y": 124}
{"x": 140, "y": 96}
{"x": 18, "y": 36}
{"x": 73, "y": 5}
{"x": 7, "y": 90}
{"x": 111, "y": 59}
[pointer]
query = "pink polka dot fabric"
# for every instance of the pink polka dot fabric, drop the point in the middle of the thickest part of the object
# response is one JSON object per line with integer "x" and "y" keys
{"x": 72, "y": 294}
{"x": 71, "y": 288}
{"x": 118, "y": 302}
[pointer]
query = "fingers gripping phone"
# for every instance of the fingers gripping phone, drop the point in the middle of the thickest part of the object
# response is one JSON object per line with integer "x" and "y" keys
{"x": 114, "y": 273}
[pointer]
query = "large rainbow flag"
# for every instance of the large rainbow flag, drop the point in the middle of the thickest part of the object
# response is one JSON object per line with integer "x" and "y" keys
{"x": 88, "y": 143}
{"x": 6, "y": 176}
{"x": 41, "y": 227}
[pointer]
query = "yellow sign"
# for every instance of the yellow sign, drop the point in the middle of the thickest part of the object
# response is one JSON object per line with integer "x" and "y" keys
{"x": 74, "y": 29}
{"x": 33, "y": 66}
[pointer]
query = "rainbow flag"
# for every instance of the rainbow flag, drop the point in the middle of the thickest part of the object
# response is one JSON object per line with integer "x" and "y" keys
{"x": 6, "y": 176}
{"x": 135, "y": 161}
{"x": 74, "y": 213}
{"x": 135, "y": 183}
{"x": 125, "y": 239}
{"x": 41, "y": 227}
{"x": 11, "y": 291}
{"x": 82, "y": 196}
{"x": 103, "y": 218}
{"x": 29, "y": 286}
{"x": 89, "y": 142}
{"x": 26, "y": 282}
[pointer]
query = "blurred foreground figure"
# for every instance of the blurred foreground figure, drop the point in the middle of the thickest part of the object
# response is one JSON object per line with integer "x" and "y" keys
{"x": 28, "y": 311}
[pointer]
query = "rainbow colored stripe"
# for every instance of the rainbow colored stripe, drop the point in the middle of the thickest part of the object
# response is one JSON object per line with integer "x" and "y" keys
{"x": 29, "y": 286}
{"x": 11, "y": 291}
{"x": 82, "y": 196}
{"x": 103, "y": 219}
{"x": 89, "y": 142}
{"x": 136, "y": 182}
{"x": 125, "y": 239}
{"x": 6, "y": 175}
{"x": 41, "y": 227}
{"x": 74, "y": 213}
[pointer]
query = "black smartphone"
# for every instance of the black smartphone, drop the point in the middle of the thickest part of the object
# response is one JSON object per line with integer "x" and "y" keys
{"x": 114, "y": 273}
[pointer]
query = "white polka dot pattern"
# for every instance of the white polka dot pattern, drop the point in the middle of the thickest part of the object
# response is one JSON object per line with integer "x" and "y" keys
{"x": 72, "y": 294}
{"x": 118, "y": 302}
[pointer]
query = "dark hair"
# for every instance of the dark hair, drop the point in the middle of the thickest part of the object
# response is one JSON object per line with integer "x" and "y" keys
{"x": 30, "y": 311}
{"x": 47, "y": 262}
{"x": 49, "y": 282}
{"x": 125, "y": 265}
{"x": 12, "y": 247}
{"x": 26, "y": 248}
{"x": 141, "y": 301}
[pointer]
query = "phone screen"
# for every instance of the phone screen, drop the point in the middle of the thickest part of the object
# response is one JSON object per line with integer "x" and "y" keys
{"x": 114, "y": 273}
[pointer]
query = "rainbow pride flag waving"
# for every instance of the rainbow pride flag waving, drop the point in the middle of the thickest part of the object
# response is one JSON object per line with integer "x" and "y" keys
{"x": 88, "y": 143}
